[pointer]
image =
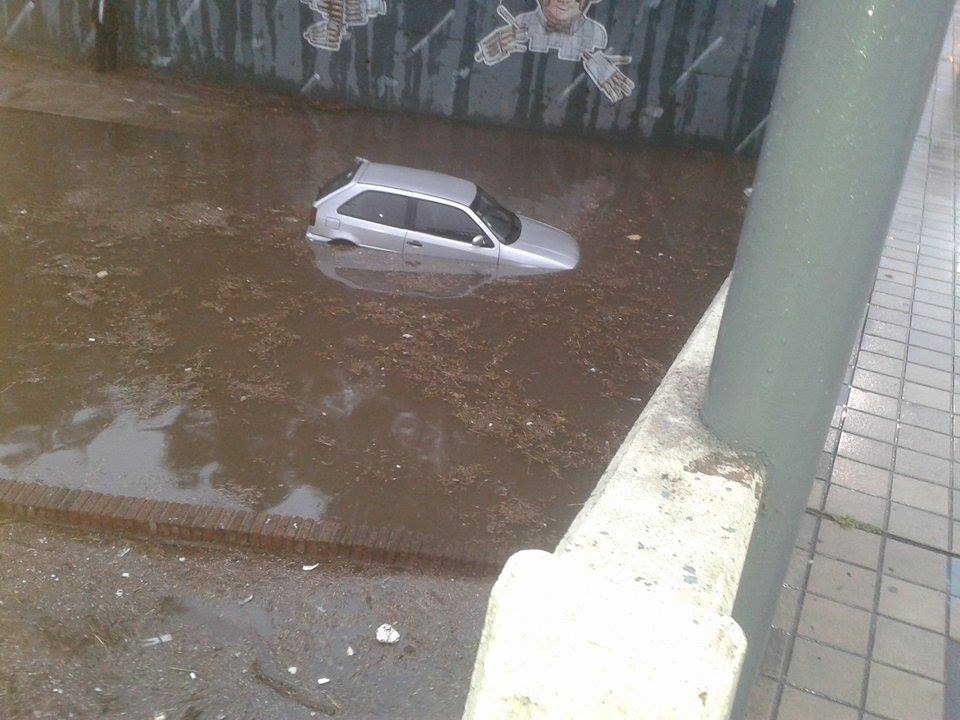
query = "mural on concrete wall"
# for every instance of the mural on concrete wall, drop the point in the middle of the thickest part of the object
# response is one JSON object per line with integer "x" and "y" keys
{"x": 702, "y": 71}
{"x": 336, "y": 17}
{"x": 560, "y": 25}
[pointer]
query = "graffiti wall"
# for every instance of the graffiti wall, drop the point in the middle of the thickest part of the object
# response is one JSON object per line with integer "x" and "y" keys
{"x": 695, "y": 71}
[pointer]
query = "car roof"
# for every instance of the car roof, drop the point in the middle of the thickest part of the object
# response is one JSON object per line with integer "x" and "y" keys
{"x": 445, "y": 187}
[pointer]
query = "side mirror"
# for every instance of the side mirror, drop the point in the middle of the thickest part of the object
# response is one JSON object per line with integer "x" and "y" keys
{"x": 479, "y": 241}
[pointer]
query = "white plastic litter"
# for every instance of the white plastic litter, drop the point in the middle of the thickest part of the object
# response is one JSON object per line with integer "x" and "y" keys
{"x": 322, "y": 681}
{"x": 247, "y": 599}
{"x": 311, "y": 567}
{"x": 387, "y": 634}
{"x": 349, "y": 650}
{"x": 158, "y": 640}
{"x": 292, "y": 669}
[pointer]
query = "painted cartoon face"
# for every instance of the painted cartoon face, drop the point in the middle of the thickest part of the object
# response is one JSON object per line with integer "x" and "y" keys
{"x": 563, "y": 12}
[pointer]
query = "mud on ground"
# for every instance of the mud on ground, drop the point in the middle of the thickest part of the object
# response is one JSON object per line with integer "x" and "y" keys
{"x": 83, "y": 621}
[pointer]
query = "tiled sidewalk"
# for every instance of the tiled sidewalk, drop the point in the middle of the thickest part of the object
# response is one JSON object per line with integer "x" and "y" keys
{"x": 868, "y": 625}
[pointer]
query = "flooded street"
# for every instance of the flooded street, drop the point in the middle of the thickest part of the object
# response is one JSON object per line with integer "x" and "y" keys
{"x": 166, "y": 330}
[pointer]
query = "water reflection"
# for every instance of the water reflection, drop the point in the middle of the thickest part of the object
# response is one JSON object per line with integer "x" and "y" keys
{"x": 389, "y": 273}
{"x": 101, "y": 449}
{"x": 303, "y": 500}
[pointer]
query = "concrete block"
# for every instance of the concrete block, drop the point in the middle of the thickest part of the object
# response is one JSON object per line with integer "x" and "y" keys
{"x": 676, "y": 507}
{"x": 630, "y": 617}
{"x": 563, "y": 640}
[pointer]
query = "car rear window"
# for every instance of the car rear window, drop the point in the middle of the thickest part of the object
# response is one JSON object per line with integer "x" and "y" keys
{"x": 336, "y": 183}
{"x": 444, "y": 221}
{"x": 379, "y": 207}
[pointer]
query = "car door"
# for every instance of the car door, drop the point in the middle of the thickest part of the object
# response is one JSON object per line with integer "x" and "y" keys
{"x": 374, "y": 219}
{"x": 440, "y": 239}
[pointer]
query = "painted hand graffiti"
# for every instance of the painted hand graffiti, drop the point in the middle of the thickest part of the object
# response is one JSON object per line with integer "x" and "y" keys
{"x": 502, "y": 42}
{"x": 560, "y": 25}
{"x": 336, "y": 17}
{"x": 605, "y": 74}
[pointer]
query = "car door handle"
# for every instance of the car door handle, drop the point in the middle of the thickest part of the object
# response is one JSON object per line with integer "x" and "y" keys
{"x": 415, "y": 243}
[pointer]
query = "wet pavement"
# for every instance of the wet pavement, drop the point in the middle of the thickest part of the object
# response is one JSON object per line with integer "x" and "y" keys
{"x": 166, "y": 331}
{"x": 94, "y": 627}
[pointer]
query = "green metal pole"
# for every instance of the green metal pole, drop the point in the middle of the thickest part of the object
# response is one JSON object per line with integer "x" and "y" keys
{"x": 852, "y": 87}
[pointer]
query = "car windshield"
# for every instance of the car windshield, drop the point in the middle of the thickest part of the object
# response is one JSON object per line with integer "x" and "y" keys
{"x": 504, "y": 224}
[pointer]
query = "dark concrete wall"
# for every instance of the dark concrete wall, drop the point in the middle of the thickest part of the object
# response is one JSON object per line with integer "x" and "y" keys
{"x": 419, "y": 56}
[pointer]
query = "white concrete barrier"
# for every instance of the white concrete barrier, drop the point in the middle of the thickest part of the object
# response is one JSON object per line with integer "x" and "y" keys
{"x": 630, "y": 617}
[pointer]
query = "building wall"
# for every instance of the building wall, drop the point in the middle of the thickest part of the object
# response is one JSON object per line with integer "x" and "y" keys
{"x": 695, "y": 71}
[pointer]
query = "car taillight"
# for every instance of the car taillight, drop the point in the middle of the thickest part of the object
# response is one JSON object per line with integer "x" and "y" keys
{"x": 313, "y": 216}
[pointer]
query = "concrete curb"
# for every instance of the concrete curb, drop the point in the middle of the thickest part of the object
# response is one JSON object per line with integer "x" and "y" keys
{"x": 630, "y": 617}
{"x": 186, "y": 522}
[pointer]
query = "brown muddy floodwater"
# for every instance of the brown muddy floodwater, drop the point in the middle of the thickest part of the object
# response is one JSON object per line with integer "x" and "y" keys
{"x": 216, "y": 363}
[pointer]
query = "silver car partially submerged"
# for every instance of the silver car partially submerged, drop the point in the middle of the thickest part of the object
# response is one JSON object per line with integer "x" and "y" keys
{"x": 435, "y": 222}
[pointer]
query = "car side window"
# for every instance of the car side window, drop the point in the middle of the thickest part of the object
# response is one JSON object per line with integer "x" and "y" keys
{"x": 444, "y": 221}
{"x": 379, "y": 207}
